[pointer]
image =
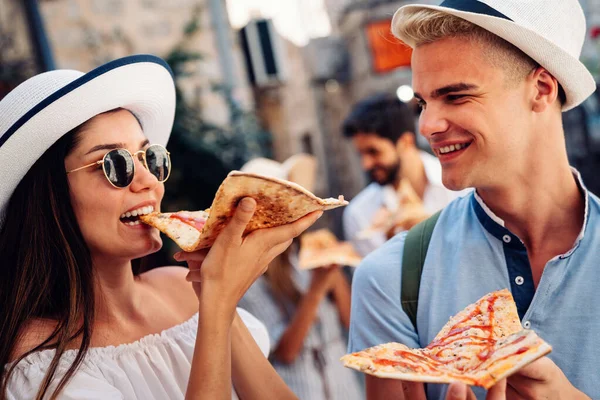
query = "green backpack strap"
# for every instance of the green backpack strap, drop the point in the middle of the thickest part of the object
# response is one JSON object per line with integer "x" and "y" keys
{"x": 415, "y": 249}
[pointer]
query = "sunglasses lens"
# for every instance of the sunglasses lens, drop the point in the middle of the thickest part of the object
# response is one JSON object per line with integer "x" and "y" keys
{"x": 158, "y": 161}
{"x": 118, "y": 167}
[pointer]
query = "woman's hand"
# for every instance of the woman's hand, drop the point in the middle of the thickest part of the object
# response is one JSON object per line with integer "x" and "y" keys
{"x": 325, "y": 278}
{"x": 194, "y": 261}
{"x": 233, "y": 263}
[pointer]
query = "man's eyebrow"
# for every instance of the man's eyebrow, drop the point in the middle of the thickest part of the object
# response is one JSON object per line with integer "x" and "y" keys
{"x": 112, "y": 146}
{"x": 455, "y": 87}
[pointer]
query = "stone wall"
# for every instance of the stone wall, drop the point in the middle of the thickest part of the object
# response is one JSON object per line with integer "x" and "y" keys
{"x": 16, "y": 52}
{"x": 14, "y": 23}
{"x": 86, "y": 33}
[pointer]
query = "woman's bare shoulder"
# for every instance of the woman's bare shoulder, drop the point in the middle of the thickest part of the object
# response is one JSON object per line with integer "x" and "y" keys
{"x": 33, "y": 334}
{"x": 170, "y": 283}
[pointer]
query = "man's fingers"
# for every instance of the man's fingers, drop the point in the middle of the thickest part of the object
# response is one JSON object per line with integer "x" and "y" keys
{"x": 460, "y": 391}
{"x": 413, "y": 390}
{"x": 237, "y": 225}
{"x": 511, "y": 393}
{"x": 539, "y": 370}
{"x": 498, "y": 391}
{"x": 457, "y": 391}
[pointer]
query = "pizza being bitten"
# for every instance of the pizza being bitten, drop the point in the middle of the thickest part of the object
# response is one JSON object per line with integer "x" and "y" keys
{"x": 479, "y": 346}
{"x": 184, "y": 227}
{"x": 278, "y": 202}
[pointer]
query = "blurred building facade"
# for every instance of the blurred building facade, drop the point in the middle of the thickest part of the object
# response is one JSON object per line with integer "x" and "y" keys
{"x": 303, "y": 109}
{"x": 360, "y": 58}
{"x": 17, "y": 53}
{"x": 86, "y": 33}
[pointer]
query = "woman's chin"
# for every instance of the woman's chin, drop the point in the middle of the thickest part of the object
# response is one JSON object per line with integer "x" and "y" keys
{"x": 147, "y": 249}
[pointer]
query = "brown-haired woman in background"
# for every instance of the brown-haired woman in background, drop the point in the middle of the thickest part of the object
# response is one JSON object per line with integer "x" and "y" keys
{"x": 305, "y": 312}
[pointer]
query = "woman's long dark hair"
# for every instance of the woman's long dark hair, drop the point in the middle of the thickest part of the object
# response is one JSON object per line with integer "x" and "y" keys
{"x": 45, "y": 267}
{"x": 281, "y": 282}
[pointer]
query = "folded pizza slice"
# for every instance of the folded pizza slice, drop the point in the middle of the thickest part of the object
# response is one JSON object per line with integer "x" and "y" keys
{"x": 183, "y": 227}
{"x": 481, "y": 345}
{"x": 510, "y": 355}
{"x": 397, "y": 361}
{"x": 279, "y": 202}
{"x": 321, "y": 248}
{"x": 479, "y": 326}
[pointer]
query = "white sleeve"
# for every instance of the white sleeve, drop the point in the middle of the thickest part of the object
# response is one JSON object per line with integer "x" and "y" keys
{"x": 25, "y": 382}
{"x": 259, "y": 302}
{"x": 352, "y": 227}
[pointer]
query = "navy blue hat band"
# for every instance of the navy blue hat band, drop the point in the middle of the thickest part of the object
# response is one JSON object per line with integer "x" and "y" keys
{"x": 473, "y": 6}
{"x": 141, "y": 58}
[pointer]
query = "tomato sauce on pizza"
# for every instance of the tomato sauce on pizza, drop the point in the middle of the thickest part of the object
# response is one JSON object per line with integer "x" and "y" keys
{"x": 478, "y": 346}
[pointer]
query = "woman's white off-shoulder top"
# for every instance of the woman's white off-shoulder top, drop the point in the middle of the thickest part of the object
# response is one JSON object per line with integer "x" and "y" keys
{"x": 156, "y": 367}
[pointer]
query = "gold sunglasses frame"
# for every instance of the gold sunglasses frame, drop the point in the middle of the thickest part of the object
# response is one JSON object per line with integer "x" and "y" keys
{"x": 140, "y": 155}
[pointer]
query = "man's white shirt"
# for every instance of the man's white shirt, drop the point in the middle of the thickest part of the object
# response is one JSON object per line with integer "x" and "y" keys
{"x": 359, "y": 214}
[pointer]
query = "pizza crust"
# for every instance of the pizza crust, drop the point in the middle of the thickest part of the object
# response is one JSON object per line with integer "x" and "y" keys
{"x": 278, "y": 202}
{"x": 499, "y": 368}
{"x": 185, "y": 235}
{"x": 479, "y": 346}
{"x": 321, "y": 248}
{"x": 505, "y": 318}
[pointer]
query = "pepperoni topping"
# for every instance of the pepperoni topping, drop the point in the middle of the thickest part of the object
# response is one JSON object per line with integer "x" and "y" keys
{"x": 195, "y": 222}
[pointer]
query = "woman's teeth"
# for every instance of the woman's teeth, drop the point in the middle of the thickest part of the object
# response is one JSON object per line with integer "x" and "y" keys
{"x": 138, "y": 212}
{"x": 453, "y": 147}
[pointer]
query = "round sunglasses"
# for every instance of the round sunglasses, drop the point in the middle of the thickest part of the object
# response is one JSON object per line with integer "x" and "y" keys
{"x": 119, "y": 164}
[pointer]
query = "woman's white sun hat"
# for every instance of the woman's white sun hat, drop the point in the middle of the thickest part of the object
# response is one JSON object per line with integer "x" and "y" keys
{"x": 551, "y": 32}
{"x": 45, "y": 107}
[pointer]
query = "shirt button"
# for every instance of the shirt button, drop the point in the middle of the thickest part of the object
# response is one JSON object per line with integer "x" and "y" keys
{"x": 506, "y": 238}
{"x": 526, "y": 324}
{"x": 519, "y": 280}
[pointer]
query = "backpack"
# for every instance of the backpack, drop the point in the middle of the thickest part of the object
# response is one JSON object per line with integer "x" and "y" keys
{"x": 415, "y": 249}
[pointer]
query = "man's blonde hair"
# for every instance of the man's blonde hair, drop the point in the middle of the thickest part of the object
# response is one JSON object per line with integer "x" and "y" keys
{"x": 428, "y": 26}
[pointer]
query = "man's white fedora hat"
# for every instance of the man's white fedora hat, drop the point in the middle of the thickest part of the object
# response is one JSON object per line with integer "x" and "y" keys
{"x": 551, "y": 32}
{"x": 45, "y": 107}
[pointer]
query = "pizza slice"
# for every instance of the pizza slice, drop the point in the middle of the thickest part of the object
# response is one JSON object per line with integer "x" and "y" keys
{"x": 480, "y": 325}
{"x": 321, "y": 248}
{"x": 479, "y": 346}
{"x": 279, "y": 202}
{"x": 510, "y": 355}
{"x": 397, "y": 361}
{"x": 410, "y": 212}
{"x": 184, "y": 227}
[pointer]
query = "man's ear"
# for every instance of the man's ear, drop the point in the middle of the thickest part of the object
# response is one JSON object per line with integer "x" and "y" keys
{"x": 405, "y": 142}
{"x": 545, "y": 90}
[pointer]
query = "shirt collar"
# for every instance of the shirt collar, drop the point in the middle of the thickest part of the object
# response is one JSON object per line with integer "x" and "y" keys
{"x": 389, "y": 197}
{"x": 495, "y": 225}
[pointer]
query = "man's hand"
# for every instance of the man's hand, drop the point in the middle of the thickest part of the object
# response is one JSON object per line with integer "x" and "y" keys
{"x": 460, "y": 391}
{"x": 384, "y": 389}
{"x": 541, "y": 379}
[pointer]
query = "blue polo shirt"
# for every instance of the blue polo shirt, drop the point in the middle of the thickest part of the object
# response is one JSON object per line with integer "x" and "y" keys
{"x": 471, "y": 253}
